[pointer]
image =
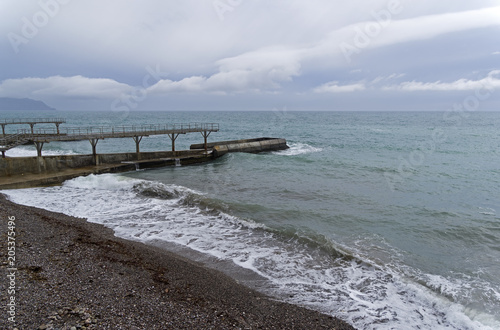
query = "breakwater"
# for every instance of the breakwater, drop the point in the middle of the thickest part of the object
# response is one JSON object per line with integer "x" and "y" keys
{"x": 247, "y": 145}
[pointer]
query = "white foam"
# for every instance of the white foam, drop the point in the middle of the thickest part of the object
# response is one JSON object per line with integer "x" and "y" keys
{"x": 364, "y": 295}
{"x": 298, "y": 149}
{"x": 487, "y": 211}
{"x": 102, "y": 182}
{"x": 25, "y": 151}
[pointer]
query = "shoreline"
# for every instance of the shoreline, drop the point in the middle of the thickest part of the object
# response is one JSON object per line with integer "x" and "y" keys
{"x": 71, "y": 272}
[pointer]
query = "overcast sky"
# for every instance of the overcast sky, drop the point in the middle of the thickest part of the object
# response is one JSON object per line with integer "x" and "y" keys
{"x": 252, "y": 54}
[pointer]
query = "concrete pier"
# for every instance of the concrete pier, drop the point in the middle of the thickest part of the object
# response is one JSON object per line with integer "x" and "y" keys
{"x": 22, "y": 172}
{"x": 247, "y": 145}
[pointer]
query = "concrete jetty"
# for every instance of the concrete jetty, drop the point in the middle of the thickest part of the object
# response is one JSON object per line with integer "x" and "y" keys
{"x": 22, "y": 172}
{"x": 247, "y": 145}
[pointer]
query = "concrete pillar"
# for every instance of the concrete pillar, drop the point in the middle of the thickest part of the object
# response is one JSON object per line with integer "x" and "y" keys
{"x": 205, "y": 137}
{"x": 3, "y": 129}
{"x": 57, "y": 127}
{"x": 32, "y": 125}
{"x": 137, "y": 140}
{"x": 39, "y": 146}
{"x": 93, "y": 142}
{"x": 173, "y": 137}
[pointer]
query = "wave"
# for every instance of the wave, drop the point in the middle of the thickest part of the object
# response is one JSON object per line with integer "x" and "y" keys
{"x": 31, "y": 152}
{"x": 302, "y": 269}
{"x": 298, "y": 149}
{"x": 487, "y": 211}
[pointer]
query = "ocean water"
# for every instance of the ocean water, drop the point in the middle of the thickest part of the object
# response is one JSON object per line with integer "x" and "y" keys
{"x": 388, "y": 220}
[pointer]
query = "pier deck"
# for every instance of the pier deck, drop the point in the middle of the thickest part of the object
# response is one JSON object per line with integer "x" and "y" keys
{"x": 32, "y": 122}
{"x": 78, "y": 134}
{"x": 94, "y": 134}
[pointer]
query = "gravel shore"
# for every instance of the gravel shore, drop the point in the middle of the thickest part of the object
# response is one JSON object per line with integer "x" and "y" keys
{"x": 72, "y": 274}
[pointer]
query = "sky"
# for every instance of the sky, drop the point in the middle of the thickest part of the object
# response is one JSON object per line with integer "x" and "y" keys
{"x": 377, "y": 55}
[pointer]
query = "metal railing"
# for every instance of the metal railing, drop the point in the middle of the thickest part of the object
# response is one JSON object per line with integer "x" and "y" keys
{"x": 22, "y": 136}
{"x": 33, "y": 121}
{"x": 12, "y": 140}
{"x": 122, "y": 130}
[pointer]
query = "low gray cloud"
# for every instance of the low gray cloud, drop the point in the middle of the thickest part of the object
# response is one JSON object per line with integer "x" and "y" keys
{"x": 76, "y": 86}
{"x": 490, "y": 82}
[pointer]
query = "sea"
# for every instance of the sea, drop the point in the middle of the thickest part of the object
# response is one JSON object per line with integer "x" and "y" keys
{"x": 387, "y": 220}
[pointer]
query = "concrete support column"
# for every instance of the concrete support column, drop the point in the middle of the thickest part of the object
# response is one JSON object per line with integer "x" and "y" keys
{"x": 32, "y": 125}
{"x": 3, "y": 129}
{"x": 205, "y": 136}
{"x": 137, "y": 140}
{"x": 39, "y": 146}
{"x": 173, "y": 137}
{"x": 3, "y": 153}
{"x": 93, "y": 142}
{"x": 57, "y": 127}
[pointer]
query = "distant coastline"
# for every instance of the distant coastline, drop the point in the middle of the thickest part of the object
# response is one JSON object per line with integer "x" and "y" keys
{"x": 9, "y": 103}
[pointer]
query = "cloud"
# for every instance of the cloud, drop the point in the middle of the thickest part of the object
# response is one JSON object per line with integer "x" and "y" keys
{"x": 393, "y": 29}
{"x": 431, "y": 26}
{"x": 76, "y": 86}
{"x": 260, "y": 70}
{"x": 267, "y": 68}
{"x": 334, "y": 87}
{"x": 490, "y": 82}
{"x": 252, "y": 50}
{"x": 390, "y": 77}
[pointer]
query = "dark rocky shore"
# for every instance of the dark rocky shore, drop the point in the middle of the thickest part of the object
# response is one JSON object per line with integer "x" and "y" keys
{"x": 72, "y": 274}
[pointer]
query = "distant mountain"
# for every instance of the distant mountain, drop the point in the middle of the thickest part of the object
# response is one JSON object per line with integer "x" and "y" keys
{"x": 8, "y": 103}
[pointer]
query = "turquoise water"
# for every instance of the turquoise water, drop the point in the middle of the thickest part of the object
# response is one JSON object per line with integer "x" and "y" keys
{"x": 385, "y": 219}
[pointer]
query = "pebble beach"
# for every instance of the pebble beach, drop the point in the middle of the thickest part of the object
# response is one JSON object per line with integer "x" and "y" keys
{"x": 72, "y": 274}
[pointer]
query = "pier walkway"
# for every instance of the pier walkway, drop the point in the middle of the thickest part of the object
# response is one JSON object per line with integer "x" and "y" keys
{"x": 32, "y": 122}
{"x": 94, "y": 134}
